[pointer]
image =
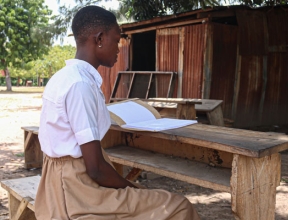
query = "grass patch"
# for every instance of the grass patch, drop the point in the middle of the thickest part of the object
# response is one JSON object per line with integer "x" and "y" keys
{"x": 22, "y": 89}
{"x": 20, "y": 155}
{"x": 285, "y": 180}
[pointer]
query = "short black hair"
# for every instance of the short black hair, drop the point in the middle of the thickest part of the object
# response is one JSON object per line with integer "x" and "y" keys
{"x": 90, "y": 18}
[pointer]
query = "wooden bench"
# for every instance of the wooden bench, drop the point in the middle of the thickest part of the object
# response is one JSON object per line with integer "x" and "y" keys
{"x": 33, "y": 156}
{"x": 168, "y": 107}
{"x": 244, "y": 163}
{"x": 21, "y": 197}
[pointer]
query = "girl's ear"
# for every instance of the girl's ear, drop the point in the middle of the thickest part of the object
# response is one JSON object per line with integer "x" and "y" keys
{"x": 99, "y": 39}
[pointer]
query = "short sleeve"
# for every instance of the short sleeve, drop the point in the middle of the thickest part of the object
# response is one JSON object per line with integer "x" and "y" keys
{"x": 82, "y": 110}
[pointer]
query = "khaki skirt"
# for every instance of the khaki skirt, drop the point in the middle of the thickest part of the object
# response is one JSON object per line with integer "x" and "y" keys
{"x": 67, "y": 192}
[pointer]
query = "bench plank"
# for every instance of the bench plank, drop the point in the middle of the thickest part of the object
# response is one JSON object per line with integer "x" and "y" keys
{"x": 174, "y": 167}
{"x": 21, "y": 188}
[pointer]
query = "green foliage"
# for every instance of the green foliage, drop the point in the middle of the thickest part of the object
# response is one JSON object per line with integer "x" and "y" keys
{"x": 146, "y": 9}
{"x": 66, "y": 13}
{"x": 257, "y": 3}
{"x": 51, "y": 62}
{"x": 44, "y": 67}
{"x": 24, "y": 31}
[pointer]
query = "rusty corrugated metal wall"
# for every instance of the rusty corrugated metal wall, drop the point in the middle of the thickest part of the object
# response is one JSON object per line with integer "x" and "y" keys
{"x": 262, "y": 96}
{"x": 250, "y": 90}
{"x": 167, "y": 54}
{"x": 194, "y": 44}
{"x": 275, "y": 106}
{"x": 224, "y": 47}
{"x": 109, "y": 74}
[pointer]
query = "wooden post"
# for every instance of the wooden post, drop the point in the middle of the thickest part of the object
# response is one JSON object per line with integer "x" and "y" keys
{"x": 253, "y": 186}
{"x": 32, "y": 150}
{"x": 215, "y": 116}
{"x": 186, "y": 111}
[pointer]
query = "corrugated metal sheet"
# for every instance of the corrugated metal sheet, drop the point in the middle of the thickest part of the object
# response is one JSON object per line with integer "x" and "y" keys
{"x": 275, "y": 109}
{"x": 194, "y": 44}
{"x": 253, "y": 32}
{"x": 275, "y": 106}
{"x": 263, "y": 92}
{"x": 109, "y": 74}
{"x": 167, "y": 47}
{"x": 278, "y": 28}
{"x": 250, "y": 91}
{"x": 105, "y": 74}
{"x": 224, "y": 65}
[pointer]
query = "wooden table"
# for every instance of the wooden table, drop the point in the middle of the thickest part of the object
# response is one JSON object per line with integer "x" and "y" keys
{"x": 245, "y": 163}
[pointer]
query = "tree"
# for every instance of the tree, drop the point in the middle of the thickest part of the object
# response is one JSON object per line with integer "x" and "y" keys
{"x": 66, "y": 14}
{"x": 146, "y": 9}
{"x": 51, "y": 62}
{"x": 25, "y": 33}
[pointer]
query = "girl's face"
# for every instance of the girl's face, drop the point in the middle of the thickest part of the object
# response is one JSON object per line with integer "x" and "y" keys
{"x": 108, "y": 53}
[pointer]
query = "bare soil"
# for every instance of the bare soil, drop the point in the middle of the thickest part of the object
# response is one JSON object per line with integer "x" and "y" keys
{"x": 23, "y": 109}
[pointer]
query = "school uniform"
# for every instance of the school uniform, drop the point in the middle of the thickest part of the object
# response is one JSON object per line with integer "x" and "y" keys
{"x": 74, "y": 113}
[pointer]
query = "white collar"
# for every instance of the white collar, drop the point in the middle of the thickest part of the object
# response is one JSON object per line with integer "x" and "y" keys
{"x": 87, "y": 66}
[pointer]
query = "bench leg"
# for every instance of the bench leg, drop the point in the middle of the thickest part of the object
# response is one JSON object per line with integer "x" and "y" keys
{"x": 185, "y": 111}
{"x": 133, "y": 174}
{"x": 253, "y": 186}
{"x": 18, "y": 209}
{"x": 215, "y": 117}
{"x": 32, "y": 151}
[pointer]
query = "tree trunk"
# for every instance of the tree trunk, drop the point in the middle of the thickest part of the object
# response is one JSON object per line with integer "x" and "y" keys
{"x": 8, "y": 80}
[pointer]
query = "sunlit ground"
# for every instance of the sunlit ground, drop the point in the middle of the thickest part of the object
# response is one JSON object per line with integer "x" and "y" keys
{"x": 22, "y": 89}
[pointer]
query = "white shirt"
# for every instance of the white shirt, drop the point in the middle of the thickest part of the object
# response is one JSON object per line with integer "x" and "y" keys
{"x": 73, "y": 111}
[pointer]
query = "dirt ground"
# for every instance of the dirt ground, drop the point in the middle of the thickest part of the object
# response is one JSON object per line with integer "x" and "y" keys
{"x": 23, "y": 109}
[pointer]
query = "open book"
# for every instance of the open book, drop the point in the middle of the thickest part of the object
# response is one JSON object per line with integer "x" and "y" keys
{"x": 138, "y": 115}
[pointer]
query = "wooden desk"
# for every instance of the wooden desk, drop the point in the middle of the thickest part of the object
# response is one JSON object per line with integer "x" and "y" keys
{"x": 169, "y": 107}
{"x": 245, "y": 163}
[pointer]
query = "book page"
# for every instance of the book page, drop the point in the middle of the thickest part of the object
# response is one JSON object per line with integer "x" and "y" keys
{"x": 131, "y": 112}
{"x": 159, "y": 124}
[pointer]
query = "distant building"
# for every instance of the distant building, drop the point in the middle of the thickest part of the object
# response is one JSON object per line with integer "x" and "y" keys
{"x": 236, "y": 54}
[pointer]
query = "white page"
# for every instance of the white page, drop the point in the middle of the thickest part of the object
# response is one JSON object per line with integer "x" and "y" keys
{"x": 131, "y": 112}
{"x": 159, "y": 124}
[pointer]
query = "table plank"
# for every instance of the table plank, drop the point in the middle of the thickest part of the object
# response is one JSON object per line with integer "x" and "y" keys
{"x": 248, "y": 143}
